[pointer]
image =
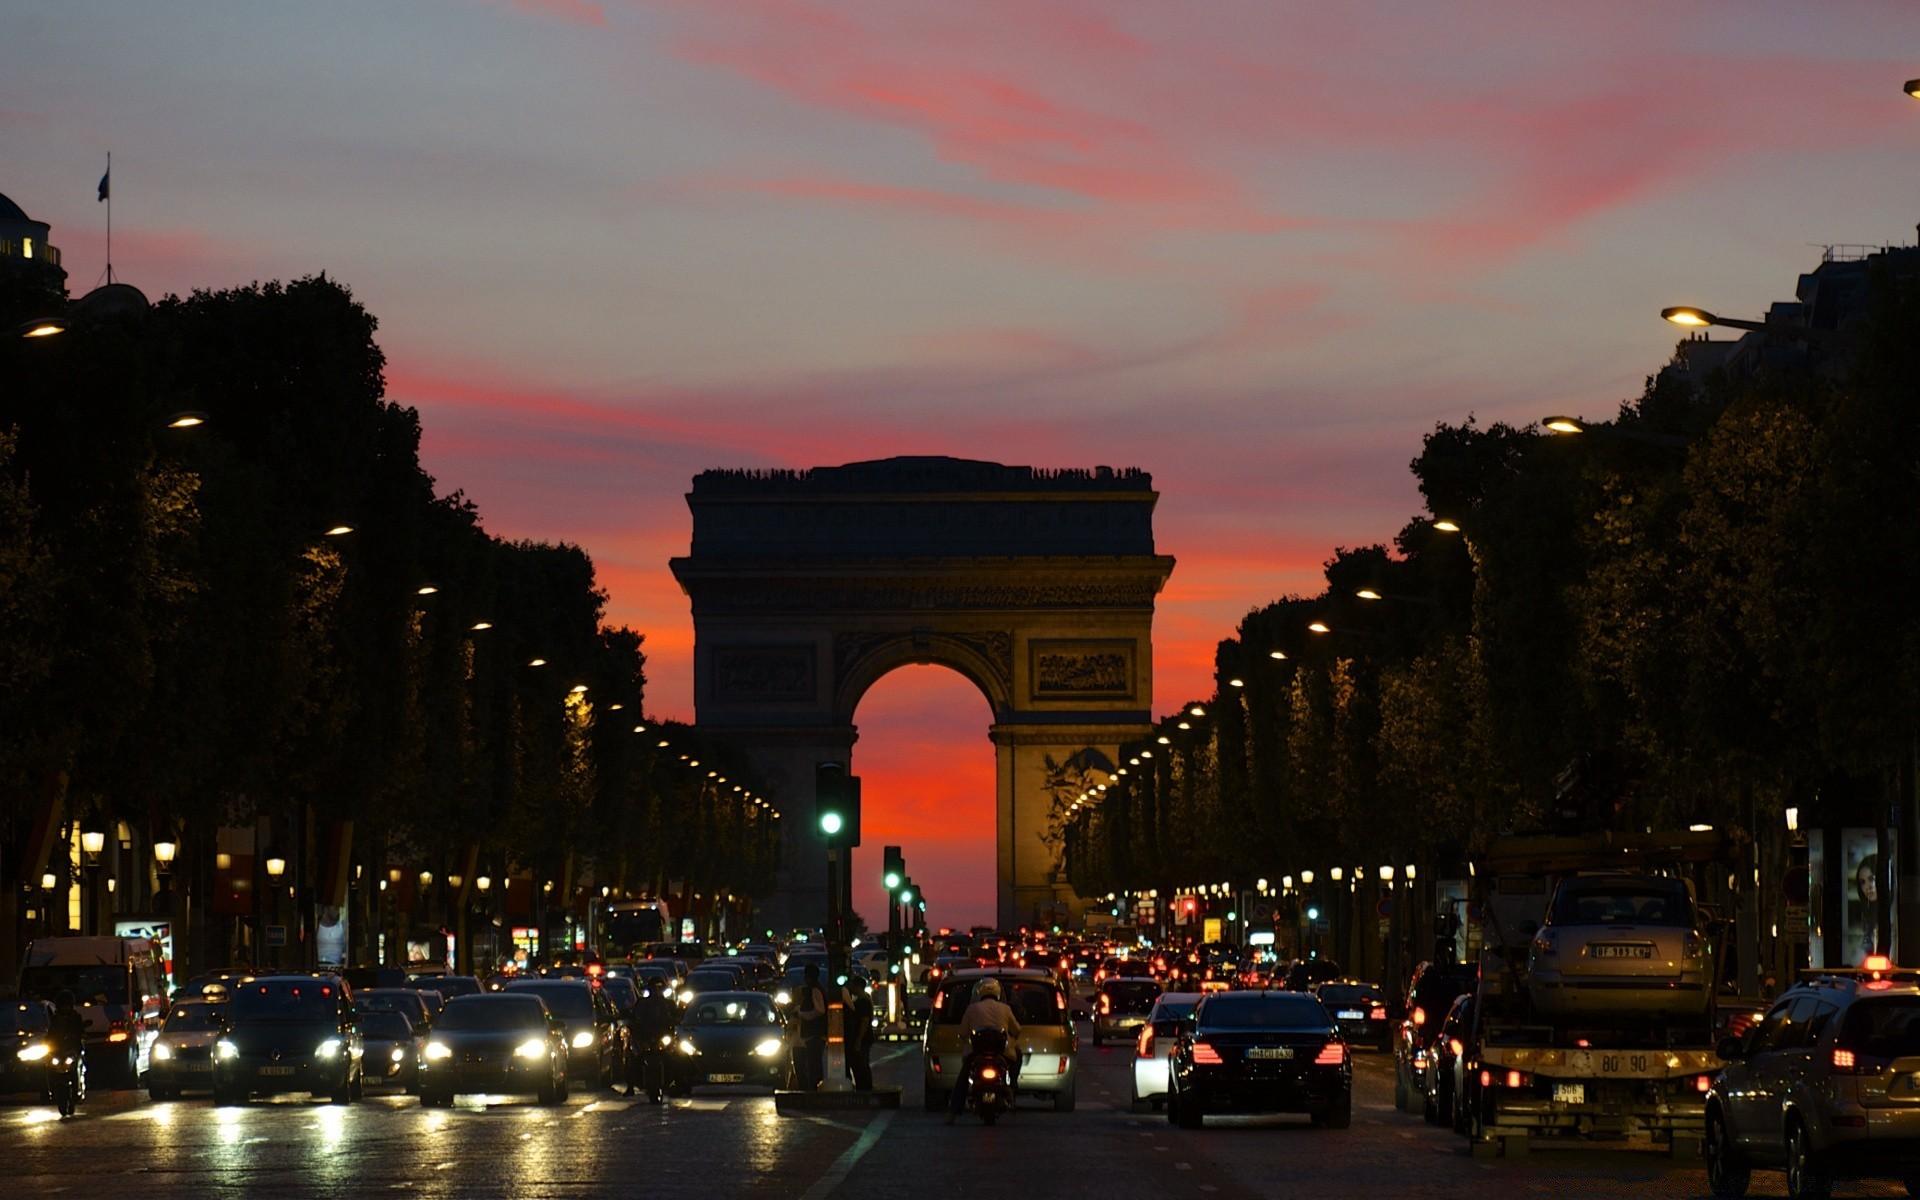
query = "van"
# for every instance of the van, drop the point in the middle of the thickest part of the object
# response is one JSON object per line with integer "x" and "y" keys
{"x": 119, "y": 987}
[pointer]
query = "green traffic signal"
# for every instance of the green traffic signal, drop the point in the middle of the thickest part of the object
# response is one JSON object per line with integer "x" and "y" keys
{"x": 831, "y": 823}
{"x": 893, "y": 880}
{"x": 906, "y": 895}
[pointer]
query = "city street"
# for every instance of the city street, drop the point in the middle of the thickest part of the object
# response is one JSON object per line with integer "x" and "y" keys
{"x": 732, "y": 1143}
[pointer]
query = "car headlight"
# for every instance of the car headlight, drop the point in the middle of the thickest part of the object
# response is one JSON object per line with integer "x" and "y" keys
{"x": 686, "y": 1046}
{"x": 35, "y": 1052}
{"x": 783, "y": 997}
{"x": 666, "y": 1039}
{"x": 328, "y": 1049}
{"x": 225, "y": 1049}
{"x": 531, "y": 1048}
{"x": 768, "y": 1048}
{"x": 437, "y": 1051}
{"x": 583, "y": 1039}
{"x": 162, "y": 1052}
{"x": 398, "y": 1055}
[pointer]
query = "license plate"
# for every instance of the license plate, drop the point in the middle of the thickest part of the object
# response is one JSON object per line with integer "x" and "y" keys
{"x": 1569, "y": 1093}
{"x": 276, "y": 1070}
{"x": 725, "y": 1078}
{"x": 1617, "y": 950}
{"x": 1351, "y": 1014}
{"x": 195, "y": 1067}
{"x": 1270, "y": 1052}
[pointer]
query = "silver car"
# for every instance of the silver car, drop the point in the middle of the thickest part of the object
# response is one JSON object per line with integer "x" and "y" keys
{"x": 182, "y": 1053}
{"x": 1617, "y": 946}
{"x": 1154, "y": 1046}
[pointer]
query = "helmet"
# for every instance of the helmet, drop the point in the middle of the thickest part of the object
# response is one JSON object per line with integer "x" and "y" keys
{"x": 989, "y": 990}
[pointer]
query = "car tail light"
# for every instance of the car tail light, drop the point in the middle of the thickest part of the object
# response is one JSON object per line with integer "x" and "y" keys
{"x": 1062, "y": 1068}
{"x": 1377, "y": 1013}
{"x": 1845, "y": 1060}
{"x": 1143, "y": 1047}
{"x": 989, "y": 1072}
{"x": 1332, "y": 1054}
{"x": 1419, "y": 1015}
{"x": 1060, "y": 1001}
{"x": 1702, "y": 1083}
{"x": 1106, "y": 1003}
{"x": 1518, "y": 1079}
{"x": 1457, "y": 1046}
{"x": 1203, "y": 1053}
{"x": 1486, "y": 1079}
{"x": 117, "y": 1032}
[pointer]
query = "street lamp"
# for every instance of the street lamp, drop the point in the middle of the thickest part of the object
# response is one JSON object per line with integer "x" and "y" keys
{"x": 1564, "y": 424}
{"x": 1574, "y": 425}
{"x": 41, "y": 327}
{"x": 337, "y": 531}
{"x": 426, "y": 879}
{"x": 1912, "y": 88}
{"x": 1337, "y": 874}
{"x": 1319, "y": 627}
{"x": 163, "y": 853}
{"x": 1368, "y": 593}
{"x": 1444, "y": 525}
{"x": 1386, "y": 874}
{"x": 1413, "y": 873}
{"x": 186, "y": 420}
{"x": 92, "y": 842}
{"x": 480, "y": 627}
{"x": 1793, "y": 820}
{"x": 276, "y": 867}
{"x": 1306, "y": 878}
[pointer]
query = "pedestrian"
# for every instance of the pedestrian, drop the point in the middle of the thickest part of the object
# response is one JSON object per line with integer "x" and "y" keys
{"x": 859, "y": 1033}
{"x": 810, "y": 1006}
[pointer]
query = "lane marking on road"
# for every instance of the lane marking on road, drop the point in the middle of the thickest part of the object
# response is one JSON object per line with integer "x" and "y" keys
{"x": 1183, "y": 1166}
{"x": 842, "y": 1166}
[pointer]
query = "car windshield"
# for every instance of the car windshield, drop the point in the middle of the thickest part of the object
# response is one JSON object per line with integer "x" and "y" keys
{"x": 568, "y": 1001}
{"x": 484, "y": 1013}
{"x": 100, "y": 984}
{"x": 309, "y": 1000}
{"x": 620, "y": 991}
{"x": 1350, "y": 993}
{"x": 732, "y": 1010}
{"x": 23, "y": 1018}
{"x": 1033, "y": 1002}
{"x": 386, "y": 1024}
{"x": 1884, "y": 1028}
{"x": 1226, "y": 1010}
{"x": 385, "y": 1000}
{"x": 1136, "y": 992}
{"x": 195, "y": 1018}
{"x": 1649, "y": 902}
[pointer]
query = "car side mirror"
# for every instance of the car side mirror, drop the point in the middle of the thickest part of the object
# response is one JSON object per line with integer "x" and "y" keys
{"x": 1732, "y": 1048}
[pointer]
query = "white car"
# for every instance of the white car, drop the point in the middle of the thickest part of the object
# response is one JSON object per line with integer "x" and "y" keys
{"x": 1154, "y": 1046}
{"x": 182, "y": 1054}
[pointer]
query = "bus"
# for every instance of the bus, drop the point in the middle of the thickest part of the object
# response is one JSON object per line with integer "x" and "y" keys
{"x": 630, "y": 926}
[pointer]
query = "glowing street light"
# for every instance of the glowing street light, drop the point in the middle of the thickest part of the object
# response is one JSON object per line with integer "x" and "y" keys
{"x": 426, "y": 589}
{"x": 1197, "y": 711}
{"x": 163, "y": 852}
{"x": 536, "y": 662}
{"x": 1564, "y": 425}
{"x": 1277, "y": 655}
{"x": 186, "y": 420}
{"x": 1318, "y": 627}
{"x": 1368, "y": 593}
{"x": 41, "y": 327}
{"x": 338, "y": 531}
{"x": 92, "y": 842}
{"x": 480, "y": 627}
{"x": 276, "y": 867}
{"x": 1444, "y": 525}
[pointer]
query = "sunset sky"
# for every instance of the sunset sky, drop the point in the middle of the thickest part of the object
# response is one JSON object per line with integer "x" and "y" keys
{"x": 1256, "y": 248}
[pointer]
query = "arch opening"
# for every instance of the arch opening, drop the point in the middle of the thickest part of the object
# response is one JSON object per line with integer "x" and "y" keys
{"x": 928, "y": 784}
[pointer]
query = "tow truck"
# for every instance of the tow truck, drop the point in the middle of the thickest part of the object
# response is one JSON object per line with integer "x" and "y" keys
{"x": 1532, "y": 1077}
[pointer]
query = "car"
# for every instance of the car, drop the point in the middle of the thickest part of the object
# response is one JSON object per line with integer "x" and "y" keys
{"x": 212, "y": 985}
{"x": 1447, "y": 1065}
{"x": 416, "y": 1006}
{"x": 729, "y": 1037}
{"x": 657, "y": 975}
{"x": 1621, "y": 947}
{"x": 874, "y": 960}
{"x": 1260, "y": 1052}
{"x": 1360, "y": 1010}
{"x": 23, "y": 1046}
{"x": 1305, "y": 973}
{"x": 182, "y": 1053}
{"x": 1047, "y": 1044}
{"x": 505, "y": 1042}
{"x": 594, "y": 1046}
{"x": 1121, "y": 1006}
{"x": 1153, "y": 1048}
{"x": 1823, "y": 1088}
{"x": 619, "y": 991}
{"x": 289, "y": 1033}
{"x": 711, "y": 979}
{"x": 392, "y": 1048}
{"x": 1430, "y": 993}
{"x": 448, "y": 986}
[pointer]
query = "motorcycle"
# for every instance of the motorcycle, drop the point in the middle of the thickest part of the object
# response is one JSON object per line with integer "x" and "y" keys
{"x": 66, "y": 1082}
{"x": 990, "y": 1091}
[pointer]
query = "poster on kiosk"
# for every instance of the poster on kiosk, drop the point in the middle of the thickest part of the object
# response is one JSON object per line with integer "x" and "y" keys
{"x": 1858, "y": 866}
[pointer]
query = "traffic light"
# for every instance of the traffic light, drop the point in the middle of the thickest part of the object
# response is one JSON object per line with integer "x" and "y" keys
{"x": 894, "y": 868}
{"x": 836, "y": 804}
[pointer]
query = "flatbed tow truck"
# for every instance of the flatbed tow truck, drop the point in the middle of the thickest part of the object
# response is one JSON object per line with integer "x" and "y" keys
{"x": 1532, "y": 1080}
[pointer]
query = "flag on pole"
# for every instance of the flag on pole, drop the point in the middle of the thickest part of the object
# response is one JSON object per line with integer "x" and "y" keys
{"x": 103, "y": 184}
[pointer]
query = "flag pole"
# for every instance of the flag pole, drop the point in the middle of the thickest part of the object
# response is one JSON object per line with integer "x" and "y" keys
{"x": 109, "y": 216}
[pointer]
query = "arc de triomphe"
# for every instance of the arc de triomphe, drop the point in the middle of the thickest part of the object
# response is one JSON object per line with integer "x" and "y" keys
{"x": 808, "y": 586}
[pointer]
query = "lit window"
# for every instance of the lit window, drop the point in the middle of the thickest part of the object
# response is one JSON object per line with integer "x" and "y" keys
{"x": 26, "y": 247}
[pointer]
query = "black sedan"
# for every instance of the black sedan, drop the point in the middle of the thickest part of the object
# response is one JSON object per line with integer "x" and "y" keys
{"x": 288, "y": 1033}
{"x": 24, "y": 1048}
{"x": 1360, "y": 1010}
{"x": 595, "y": 1049}
{"x": 729, "y": 1037}
{"x": 392, "y": 1049}
{"x": 499, "y": 1042}
{"x": 1260, "y": 1052}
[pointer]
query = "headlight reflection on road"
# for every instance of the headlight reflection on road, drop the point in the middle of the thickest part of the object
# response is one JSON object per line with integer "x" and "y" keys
{"x": 331, "y": 1121}
{"x": 229, "y": 1121}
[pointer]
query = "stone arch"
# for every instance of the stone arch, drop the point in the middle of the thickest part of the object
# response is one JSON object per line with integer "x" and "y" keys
{"x": 862, "y": 660}
{"x": 1038, "y": 586}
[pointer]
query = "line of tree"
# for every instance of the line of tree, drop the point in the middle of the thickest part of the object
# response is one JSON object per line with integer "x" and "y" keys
{"x": 1704, "y": 612}
{"x": 189, "y": 639}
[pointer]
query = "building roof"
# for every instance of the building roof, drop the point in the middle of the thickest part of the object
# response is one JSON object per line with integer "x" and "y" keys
{"x": 9, "y": 211}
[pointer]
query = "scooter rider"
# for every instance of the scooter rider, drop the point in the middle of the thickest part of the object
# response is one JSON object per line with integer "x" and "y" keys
{"x": 67, "y": 1039}
{"x": 651, "y": 1019}
{"x": 987, "y": 1011}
